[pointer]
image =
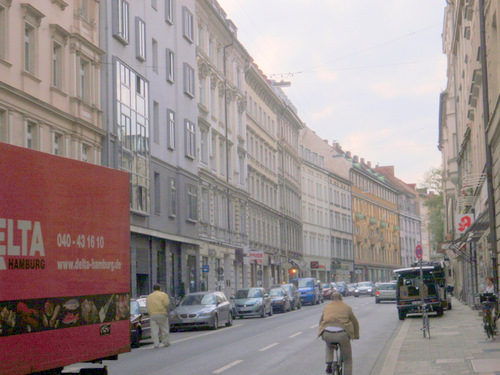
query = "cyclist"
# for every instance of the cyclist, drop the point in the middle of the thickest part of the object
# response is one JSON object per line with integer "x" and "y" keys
{"x": 489, "y": 287}
{"x": 338, "y": 324}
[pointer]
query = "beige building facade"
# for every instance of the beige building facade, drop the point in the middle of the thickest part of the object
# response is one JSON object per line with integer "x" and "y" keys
{"x": 50, "y": 86}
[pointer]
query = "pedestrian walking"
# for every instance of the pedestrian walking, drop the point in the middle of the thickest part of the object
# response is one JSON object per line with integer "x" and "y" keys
{"x": 157, "y": 304}
{"x": 339, "y": 325}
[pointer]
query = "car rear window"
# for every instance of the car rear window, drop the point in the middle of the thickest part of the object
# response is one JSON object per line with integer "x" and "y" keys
{"x": 387, "y": 287}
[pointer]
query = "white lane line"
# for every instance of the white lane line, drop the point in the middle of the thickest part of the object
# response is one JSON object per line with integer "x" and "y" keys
{"x": 222, "y": 369}
{"x": 314, "y": 326}
{"x": 295, "y": 335}
{"x": 268, "y": 347}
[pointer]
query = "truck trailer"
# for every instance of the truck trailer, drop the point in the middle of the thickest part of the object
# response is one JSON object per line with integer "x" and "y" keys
{"x": 64, "y": 262}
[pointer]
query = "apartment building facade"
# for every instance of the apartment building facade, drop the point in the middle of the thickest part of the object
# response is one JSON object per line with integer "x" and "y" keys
{"x": 221, "y": 62}
{"x": 148, "y": 84}
{"x": 326, "y": 212}
{"x": 50, "y": 64}
{"x": 469, "y": 141}
{"x": 264, "y": 256}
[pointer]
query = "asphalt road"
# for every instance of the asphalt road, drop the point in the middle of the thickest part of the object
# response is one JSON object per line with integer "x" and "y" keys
{"x": 281, "y": 344}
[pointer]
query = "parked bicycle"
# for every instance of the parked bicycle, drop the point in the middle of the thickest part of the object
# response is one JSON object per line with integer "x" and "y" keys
{"x": 426, "y": 326}
{"x": 489, "y": 308}
{"x": 338, "y": 363}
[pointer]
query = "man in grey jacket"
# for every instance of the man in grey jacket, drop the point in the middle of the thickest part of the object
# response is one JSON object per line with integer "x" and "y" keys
{"x": 338, "y": 324}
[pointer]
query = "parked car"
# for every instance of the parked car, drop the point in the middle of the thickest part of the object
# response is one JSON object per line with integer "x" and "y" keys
{"x": 320, "y": 289}
{"x": 364, "y": 288}
{"x": 201, "y": 309}
{"x": 350, "y": 289}
{"x": 327, "y": 290}
{"x": 253, "y": 302}
{"x": 280, "y": 301}
{"x": 385, "y": 292}
{"x": 341, "y": 287}
{"x": 140, "y": 327}
{"x": 309, "y": 290}
{"x": 293, "y": 294}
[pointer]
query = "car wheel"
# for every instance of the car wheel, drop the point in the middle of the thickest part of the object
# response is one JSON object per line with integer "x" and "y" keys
{"x": 216, "y": 323}
{"x": 263, "y": 312}
{"x": 292, "y": 305}
{"x": 401, "y": 315}
{"x": 377, "y": 300}
{"x": 229, "y": 321}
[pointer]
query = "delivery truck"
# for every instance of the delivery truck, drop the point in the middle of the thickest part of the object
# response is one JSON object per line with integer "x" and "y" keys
{"x": 64, "y": 262}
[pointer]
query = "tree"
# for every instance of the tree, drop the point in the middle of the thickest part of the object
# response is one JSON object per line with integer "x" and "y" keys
{"x": 433, "y": 183}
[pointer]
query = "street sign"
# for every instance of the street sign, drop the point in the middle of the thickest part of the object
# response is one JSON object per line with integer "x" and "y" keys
{"x": 418, "y": 251}
{"x": 205, "y": 268}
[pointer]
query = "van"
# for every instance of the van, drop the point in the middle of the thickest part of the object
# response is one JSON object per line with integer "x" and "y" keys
{"x": 309, "y": 290}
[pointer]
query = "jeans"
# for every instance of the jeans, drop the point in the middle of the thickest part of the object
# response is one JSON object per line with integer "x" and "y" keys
{"x": 159, "y": 323}
{"x": 343, "y": 339}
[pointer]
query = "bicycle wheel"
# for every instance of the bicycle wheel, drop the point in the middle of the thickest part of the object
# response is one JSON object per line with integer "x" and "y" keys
{"x": 428, "y": 326}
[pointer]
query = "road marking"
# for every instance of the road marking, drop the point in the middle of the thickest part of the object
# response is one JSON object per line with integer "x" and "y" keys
{"x": 222, "y": 369}
{"x": 268, "y": 347}
{"x": 314, "y": 326}
{"x": 295, "y": 335}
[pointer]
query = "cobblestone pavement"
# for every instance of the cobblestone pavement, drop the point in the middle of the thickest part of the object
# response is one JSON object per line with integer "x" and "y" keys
{"x": 458, "y": 346}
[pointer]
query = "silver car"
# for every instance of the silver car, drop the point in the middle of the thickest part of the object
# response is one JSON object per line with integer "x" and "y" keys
{"x": 201, "y": 309}
{"x": 385, "y": 292}
{"x": 253, "y": 302}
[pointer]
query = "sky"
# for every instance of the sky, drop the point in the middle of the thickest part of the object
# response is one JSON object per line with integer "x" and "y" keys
{"x": 364, "y": 73}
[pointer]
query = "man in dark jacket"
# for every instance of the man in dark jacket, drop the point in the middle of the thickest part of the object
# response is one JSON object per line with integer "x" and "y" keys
{"x": 338, "y": 324}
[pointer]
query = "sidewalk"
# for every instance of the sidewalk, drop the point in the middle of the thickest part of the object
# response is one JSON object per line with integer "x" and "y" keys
{"x": 457, "y": 346}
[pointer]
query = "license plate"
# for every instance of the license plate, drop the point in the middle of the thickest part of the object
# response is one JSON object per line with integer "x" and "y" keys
{"x": 188, "y": 321}
{"x": 415, "y": 302}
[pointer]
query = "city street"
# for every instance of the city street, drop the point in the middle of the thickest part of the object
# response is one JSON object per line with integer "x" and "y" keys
{"x": 281, "y": 344}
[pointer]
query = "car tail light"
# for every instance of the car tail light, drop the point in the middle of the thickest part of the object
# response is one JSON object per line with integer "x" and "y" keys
{"x": 378, "y": 293}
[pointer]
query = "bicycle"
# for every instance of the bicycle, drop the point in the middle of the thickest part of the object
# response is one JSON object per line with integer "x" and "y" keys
{"x": 488, "y": 304}
{"x": 426, "y": 326}
{"x": 338, "y": 362}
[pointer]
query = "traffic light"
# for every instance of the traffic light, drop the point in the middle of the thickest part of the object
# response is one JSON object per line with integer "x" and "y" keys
{"x": 292, "y": 273}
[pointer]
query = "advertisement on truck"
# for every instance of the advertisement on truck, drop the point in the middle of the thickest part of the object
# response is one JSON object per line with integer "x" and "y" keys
{"x": 64, "y": 261}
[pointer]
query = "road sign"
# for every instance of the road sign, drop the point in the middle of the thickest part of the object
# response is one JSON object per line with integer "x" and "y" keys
{"x": 418, "y": 251}
{"x": 205, "y": 268}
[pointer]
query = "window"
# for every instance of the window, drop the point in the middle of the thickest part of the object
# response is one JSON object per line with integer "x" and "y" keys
{"x": 31, "y": 135}
{"x": 192, "y": 202}
{"x": 155, "y": 56}
{"x": 187, "y": 24}
{"x": 29, "y": 48}
{"x": 58, "y": 144}
{"x": 140, "y": 39}
{"x": 85, "y": 153}
{"x": 204, "y": 145}
{"x": 188, "y": 80}
{"x": 170, "y": 66}
{"x": 156, "y": 122}
{"x": 173, "y": 197}
{"x": 84, "y": 80}
{"x": 121, "y": 21}
{"x": 57, "y": 65}
{"x": 3, "y": 126}
{"x": 169, "y": 11}
{"x": 190, "y": 139}
{"x": 157, "y": 193}
{"x": 84, "y": 9}
{"x": 171, "y": 129}
{"x": 3, "y": 32}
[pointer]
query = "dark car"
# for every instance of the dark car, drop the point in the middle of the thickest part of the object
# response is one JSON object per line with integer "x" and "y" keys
{"x": 140, "y": 327}
{"x": 201, "y": 309}
{"x": 252, "y": 302}
{"x": 364, "y": 288}
{"x": 280, "y": 300}
{"x": 294, "y": 295}
{"x": 341, "y": 287}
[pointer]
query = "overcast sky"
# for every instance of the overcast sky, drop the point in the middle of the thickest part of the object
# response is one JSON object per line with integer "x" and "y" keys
{"x": 366, "y": 73}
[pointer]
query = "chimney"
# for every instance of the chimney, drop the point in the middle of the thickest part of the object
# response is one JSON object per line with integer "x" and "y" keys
{"x": 362, "y": 160}
{"x": 348, "y": 154}
{"x": 369, "y": 164}
{"x": 356, "y": 158}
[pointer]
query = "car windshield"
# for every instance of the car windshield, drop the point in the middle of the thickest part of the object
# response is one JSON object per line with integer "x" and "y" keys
{"x": 134, "y": 308}
{"x": 276, "y": 292}
{"x": 248, "y": 293}
{"x": 364, "y": 284}
{"x": 303, "y": 283}
{"x": 198, "y": 299}
{"x": 326, "y": 286}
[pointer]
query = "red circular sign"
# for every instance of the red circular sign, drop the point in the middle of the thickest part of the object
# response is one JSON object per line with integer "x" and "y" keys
{"x": 418, "y": 252}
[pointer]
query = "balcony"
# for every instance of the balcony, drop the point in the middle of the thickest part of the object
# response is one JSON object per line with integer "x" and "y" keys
{"x": 383, "y": 224}
{"x": 373, "y": 221}
{"x": 359, "y": 216}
